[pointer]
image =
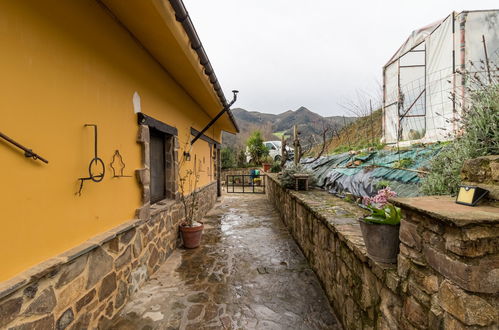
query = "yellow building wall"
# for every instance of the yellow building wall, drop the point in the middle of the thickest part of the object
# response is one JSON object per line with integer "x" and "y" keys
{"x": 64, "y": 64}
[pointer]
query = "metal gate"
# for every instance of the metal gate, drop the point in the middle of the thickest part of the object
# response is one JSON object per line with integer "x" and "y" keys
{"x": 243, "y": 183}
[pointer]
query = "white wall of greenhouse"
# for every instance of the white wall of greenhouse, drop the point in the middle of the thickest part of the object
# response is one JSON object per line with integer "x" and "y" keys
{"x": 423, "y": 90}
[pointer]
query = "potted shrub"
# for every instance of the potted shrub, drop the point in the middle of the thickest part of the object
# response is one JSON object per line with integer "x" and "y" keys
{"x": 380, "y": 229}
{"x": 267, "y": 163}
{"x": 190, "y": 230}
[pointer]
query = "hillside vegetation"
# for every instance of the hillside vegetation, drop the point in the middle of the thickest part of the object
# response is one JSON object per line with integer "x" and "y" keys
{"x": 362, "y": 133}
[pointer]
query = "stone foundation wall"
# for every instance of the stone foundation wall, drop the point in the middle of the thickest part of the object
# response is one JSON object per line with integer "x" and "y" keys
{"x": 446, "y": 276}
{"x": 85, "y": 287}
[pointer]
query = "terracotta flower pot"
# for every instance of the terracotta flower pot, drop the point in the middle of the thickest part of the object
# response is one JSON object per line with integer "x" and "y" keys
{"x": 382, "y": 241}
{"x": 266, "y": 167}
{"x": 191, "y": 236}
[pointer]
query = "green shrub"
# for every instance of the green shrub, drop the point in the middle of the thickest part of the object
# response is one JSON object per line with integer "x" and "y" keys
{"x": 403, "y": 163}
{"x": 228, "y": 159}
{"x": 287, "y": 176}
{"x": 256, "y": 148}
{"x": 480, "y": 137}
{"x": 382, "y": 184}
{"x": 241, "y": 159}
{"x": 276, "y": 167}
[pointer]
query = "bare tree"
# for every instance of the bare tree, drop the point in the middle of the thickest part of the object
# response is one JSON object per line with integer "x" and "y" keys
{"x": 312, "y": 144}
{"x": 319, "y": 145}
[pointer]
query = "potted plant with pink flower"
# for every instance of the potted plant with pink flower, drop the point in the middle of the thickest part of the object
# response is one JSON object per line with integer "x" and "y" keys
{"x": 380, "y": 229}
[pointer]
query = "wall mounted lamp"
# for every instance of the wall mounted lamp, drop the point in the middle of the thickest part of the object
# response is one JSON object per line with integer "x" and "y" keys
{"x": 470, "y": 195}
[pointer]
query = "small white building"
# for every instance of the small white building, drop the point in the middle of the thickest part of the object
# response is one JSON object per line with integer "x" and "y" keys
{"x": 422, "y": 87}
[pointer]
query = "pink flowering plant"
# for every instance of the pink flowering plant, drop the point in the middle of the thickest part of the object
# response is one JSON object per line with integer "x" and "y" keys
{"x": 382, "y": 212}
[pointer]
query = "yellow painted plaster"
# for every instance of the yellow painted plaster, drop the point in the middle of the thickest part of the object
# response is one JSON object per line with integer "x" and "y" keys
{"x": 64, "y": 64}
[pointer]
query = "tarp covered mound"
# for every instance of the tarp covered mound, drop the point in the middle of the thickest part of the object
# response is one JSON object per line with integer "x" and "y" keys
{"x": 339, "y": 174}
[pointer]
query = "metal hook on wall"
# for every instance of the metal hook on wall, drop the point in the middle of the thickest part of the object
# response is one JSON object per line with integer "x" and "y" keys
{"x": 96, "y": 162}
{"x": 117, "y": 158}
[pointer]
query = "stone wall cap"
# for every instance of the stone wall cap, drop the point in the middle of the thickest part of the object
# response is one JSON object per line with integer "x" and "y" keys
{"x": 444, "y": 208}
{"x": 11, "y": 285}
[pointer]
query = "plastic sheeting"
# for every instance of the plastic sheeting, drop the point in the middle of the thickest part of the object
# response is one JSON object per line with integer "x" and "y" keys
{"x": 420, "y": 81}
{"x": 333, "y": 175}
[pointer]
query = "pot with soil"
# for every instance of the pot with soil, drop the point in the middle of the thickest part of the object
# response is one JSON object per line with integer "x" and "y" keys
{"x": 191, "y": 235}
{"x": 382, "y": 241}
{"x": 190, "y": 230}
{"x": 380, "y": 229}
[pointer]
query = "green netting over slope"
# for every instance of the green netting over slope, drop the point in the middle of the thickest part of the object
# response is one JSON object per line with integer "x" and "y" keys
{"x": 340, "y": 174}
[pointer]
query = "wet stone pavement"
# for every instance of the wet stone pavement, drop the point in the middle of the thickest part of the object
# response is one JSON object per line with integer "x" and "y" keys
{"x": 248, "y": 274}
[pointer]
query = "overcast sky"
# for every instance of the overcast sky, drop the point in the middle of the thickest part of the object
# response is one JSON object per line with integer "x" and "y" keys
{"x": 283, "y": 54}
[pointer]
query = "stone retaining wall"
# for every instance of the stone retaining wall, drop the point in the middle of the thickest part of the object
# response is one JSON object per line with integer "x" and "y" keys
{"x": 85, "y": 287}
{"x": 436, "y": 283}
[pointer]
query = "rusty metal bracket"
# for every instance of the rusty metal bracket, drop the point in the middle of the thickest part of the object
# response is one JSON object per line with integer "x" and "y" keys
{"x": 95, "y": 162}
{"x": 224, "y": 110}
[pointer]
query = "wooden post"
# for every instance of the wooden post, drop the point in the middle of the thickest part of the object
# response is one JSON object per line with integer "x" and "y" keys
{"x": 283, "y": 147}
{"x": 296, "y": 144}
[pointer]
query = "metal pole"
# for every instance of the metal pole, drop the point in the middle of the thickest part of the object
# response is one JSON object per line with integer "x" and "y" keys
{"x": 372, "y": 128}
{"x": 224, "y": 110}
{"x": 27, "y": 152}
{"x": 486, "y": 58}
{"x": 296, "y": 144}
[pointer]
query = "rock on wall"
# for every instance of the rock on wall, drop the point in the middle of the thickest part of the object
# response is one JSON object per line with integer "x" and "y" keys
{"x": 86, "y": 286}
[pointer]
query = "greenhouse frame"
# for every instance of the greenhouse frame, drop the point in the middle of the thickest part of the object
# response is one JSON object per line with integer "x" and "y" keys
{"x": 424, "y": 83}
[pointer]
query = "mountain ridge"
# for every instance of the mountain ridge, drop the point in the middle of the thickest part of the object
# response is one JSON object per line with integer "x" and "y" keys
{"x": 308, "y": 123}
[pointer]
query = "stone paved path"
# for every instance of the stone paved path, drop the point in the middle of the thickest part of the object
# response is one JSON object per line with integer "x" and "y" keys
{"x": 248, "y": 274}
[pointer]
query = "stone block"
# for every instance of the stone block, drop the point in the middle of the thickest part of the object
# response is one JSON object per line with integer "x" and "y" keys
{"x": 30, "y": 291}
{"x": 412, "y": 254}
{"x": 65, "y": 319}
{"x": 481, "y": 169}
{"x": 414, "y": 290}
{"x": 390, "y": 308}
{"x": 473, "y": 242}
{"x": 99, "y": 264}
{"x": 82, "y": 322}
{"x": 85, "y": 300}
{"x": 452, "y": 323}
{"x": 480, "y": 232}
{"x": 44, "y": 323}
{"x": 124, "y": 259}
{"x": 122, "y": 294}
{"x": 110, "y": 309}
{"x": 403, "y": 266}
{"x": 71, "y": 293}
{"x": 143, "y": 134}
{"x": 112, "y": 246}
{"x": 434, "y": 240}
{"x": 9, "y": 310}
{"x": 467, "y": 308}
{"x": 108, "y": 286}
{"x": 415, "y": 313}
{"x": 392, "y": 280}
{"x": 482, "y": 277}
{"x": 424, "y": 279}
{"x": 71, "y": 270}
{"x": 43, "y": 304}
{"x": 409, "y": 234}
